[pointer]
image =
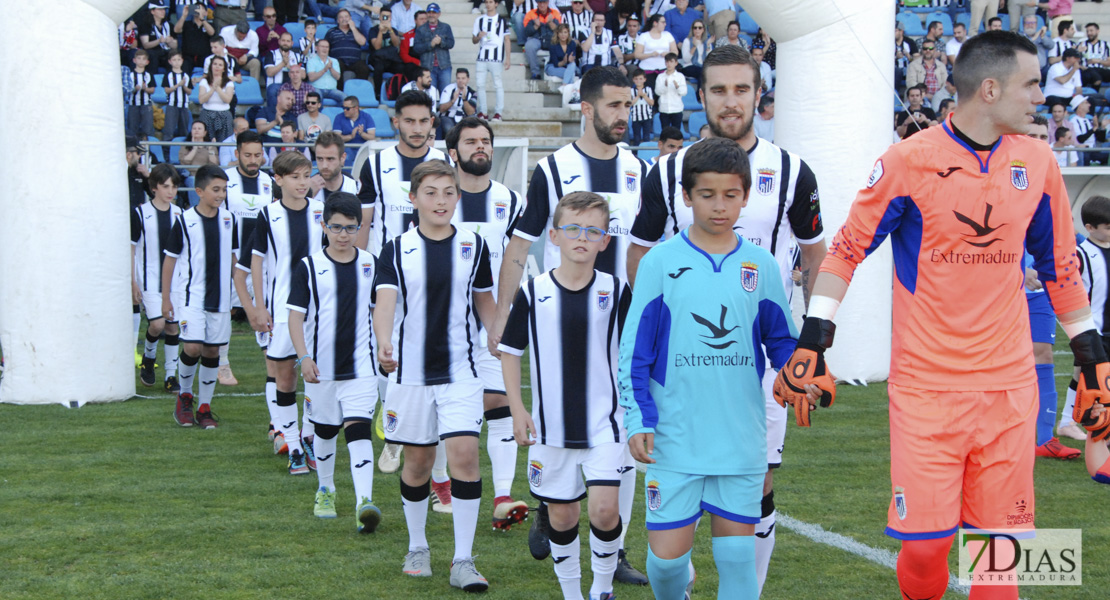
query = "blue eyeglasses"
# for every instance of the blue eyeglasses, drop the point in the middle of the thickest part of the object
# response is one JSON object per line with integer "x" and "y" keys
{"x": 350, "y": 229}
{"x": 573, "y": 232}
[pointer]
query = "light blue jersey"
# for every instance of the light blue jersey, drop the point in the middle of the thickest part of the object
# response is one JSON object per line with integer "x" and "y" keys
{"x": 692, "y": 355}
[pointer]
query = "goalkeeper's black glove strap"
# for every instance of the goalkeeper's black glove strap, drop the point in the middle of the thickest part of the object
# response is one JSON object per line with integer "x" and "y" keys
{"x": 817, "y": 334}
{"x": 1087, "y": 348}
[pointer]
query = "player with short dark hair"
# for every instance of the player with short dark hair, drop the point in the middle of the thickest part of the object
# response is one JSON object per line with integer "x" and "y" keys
{"x": 961, "y": 202}
{"x": 331, "y": 155}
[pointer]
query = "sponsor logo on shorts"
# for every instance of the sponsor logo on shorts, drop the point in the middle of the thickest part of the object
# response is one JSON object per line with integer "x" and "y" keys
{"x": 1020, "y": 515}
{"x": 535, "y": 473}
{"x": 749, "y": 276}
{"x": 390, "y": 421}
{"x": 654, "y": 497}
{"x": 900, "y": 502}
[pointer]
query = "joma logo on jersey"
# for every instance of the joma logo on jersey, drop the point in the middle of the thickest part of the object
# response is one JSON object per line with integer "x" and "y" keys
{"x": 630, "y": 180}
{"x": 390, "y": 421}
{"x": 603, "y": 300}
{"x": 367, "y": 269}
{"x": 749, "y": 276}
{"x": 535, "y": 473}
{"x": 500, "y": 210}
{"x": 466, "y": 250}
{"x": 654, "y": 497}
{"x": 1019, "y": 176}
{"x": 765, "y": 181}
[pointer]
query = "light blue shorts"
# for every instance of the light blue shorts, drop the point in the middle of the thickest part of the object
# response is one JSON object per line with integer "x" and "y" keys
{"x": 675, "y": 500}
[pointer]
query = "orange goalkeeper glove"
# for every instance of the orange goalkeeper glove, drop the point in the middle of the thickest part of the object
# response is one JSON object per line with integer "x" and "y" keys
{"x": 1094, "y": 383}
{"x": 807, "y": 367}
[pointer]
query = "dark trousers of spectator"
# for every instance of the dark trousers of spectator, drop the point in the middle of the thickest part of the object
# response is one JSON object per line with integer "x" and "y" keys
{"x": 178, "y": 122}
{"x": 386, "y": 60}
{"x": 641, "y": 132}
{"x": 442, "y": 77}
{"x": 140, "y": 121}
{"x": 226, "y": 15}
{"x": 1051, "y": 101}
{"x": 670, "y": 120}
{"x": 1094, "y": 77}
{"x": 287, "y": 10}
{"x": 358, "y": 67}
{"x": 159, "y": 58}
{"x": 190, "y": 62}
{"x": 260, "y": 5}
{"x": 219, "y": 122}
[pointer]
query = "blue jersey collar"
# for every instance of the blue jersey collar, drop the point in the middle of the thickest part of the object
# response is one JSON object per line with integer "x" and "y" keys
{"x": 716, "y": 267}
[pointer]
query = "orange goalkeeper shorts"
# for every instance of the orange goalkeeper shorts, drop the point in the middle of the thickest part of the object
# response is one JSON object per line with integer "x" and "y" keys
{"x": 960, "y": 458}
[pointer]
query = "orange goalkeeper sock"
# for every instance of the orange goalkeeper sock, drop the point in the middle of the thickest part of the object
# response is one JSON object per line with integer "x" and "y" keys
{"x": 923, "y": 568}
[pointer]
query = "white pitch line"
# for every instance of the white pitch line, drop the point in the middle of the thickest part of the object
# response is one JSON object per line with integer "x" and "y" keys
{"x": 881, "y": 557}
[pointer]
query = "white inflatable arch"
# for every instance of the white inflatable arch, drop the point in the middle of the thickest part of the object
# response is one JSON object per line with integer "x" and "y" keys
{"x": 65, "y": 309}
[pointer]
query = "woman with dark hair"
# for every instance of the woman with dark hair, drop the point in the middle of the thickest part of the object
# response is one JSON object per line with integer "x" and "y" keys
{"x": 652, "y": 45}
{"x": 198, "y": 156}
{"x": 215, "y": 95}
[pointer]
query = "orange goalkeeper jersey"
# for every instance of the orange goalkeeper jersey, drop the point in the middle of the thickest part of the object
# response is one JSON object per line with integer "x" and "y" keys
{"x": 959, "y": 222}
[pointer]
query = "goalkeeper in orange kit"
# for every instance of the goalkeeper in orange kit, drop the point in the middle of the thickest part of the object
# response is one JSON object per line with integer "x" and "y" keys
{"x": 960, "y": 203}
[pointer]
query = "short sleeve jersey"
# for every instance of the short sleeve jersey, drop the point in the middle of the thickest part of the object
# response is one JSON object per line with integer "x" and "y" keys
{"x": 203, "y": 245}
{"x": 385, "y": 187}
{"x": 282, "y": 237}
{"x": 150, "y": 233}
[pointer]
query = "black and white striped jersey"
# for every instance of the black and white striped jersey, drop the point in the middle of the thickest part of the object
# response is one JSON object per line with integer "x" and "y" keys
{"x": 435, "y": 328}
{"x": 1094, "y": 262}
{"x": 349, "y": 186}
{"x": 150, "y": 234}
{"x": 162, "y": 31}
{"x": 579, "y": 23}
{"x": 573, "y": 337}
{"x": 139, "y": 84}
{"x": 204, "y": 246}
{"x": 385, "y": 186}
{"x": 245, "y": 197}
{"x": 641, "y": 110}
{"x": 491, "y": 214}
{"x": 618, "y": 180}
{"x": 179, "y": 97}
{"x": 627, "y": 45}
{"x": 600, "y": 53}
{"x": 455, "y": 111}
{"x": 783, "y": 202}
{"x": 1098, "y": 50}
{"x": 282, "y": 237}
{"x": 525, "y": 7}
{"x": 273, "y": 59}
{"x": 336, "y": 299}
{"x": 1059, "y": 45}
{"x": 491, "y": 48}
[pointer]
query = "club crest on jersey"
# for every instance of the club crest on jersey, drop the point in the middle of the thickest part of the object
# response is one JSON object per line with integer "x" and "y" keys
{"x": 466, "y": 249}
{"x": 227, "y": 222}
{"x": 603, "y": 300}
{"x": 500, "y": 210}
{"x": 1019, "y": 176}
{"x": 630, "y": 180}
{"x": 390, "y": 421}
{"x": 367, "y": 269}
{"x": 317, "y": 216}
{"x": 535, "y": 473}
{"x": 654, "y": 497}
{"x": 900, "y": 502}
{"x": 749, "y": 276}
{"x": 765, "y": 182}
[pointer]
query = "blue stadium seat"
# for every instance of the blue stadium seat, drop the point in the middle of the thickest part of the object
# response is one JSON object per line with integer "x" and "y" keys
{"x": 176, "y": 150}
{"x": 330, "y": 102}
{"x": 159, "y": 95}
{"x": 385, "y": 81}
{"x": 943, "y": 18}
{"x": 965, "y": 18}
{"x": 648, "y": 155}
{"x": 248, "y": 92}
{"x": 690, "y": 100}
{"x": 694, "y": 124}
{"x": 332, "y": 112}
{"x": 190, "y": 186}
{"x": 297, "y": 31}
{"x": 322, "y": 30}
{"x": 271, "y": 94}
{"x": 656, "y": 127}
{"x": 255, "y": 24}
{"x": 383, "y": 125}
{"x": 363, "y": 90}
{"x": 911, "y": 24}
{"x": 747, "y": 39}
{"x": 194, "y": 96}
{"x": 747, "y": 23}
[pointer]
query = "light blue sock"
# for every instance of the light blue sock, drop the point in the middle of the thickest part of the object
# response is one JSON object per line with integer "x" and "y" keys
{"x": 1046, "y": 416}
{"x": 669, "y": 577}
{"x": 735, "y": 559}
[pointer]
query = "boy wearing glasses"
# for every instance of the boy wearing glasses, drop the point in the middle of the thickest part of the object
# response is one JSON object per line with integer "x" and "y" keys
{"x": 571, "y": 318}
{"x": 329, "y": 305}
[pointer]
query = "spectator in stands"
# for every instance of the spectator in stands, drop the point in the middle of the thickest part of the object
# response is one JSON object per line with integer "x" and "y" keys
{"x": 279, "y": 61}
{"x": 158, "y": 39}
{"x": 227, "y": 151}
{"x": 1064, "y": 140}
{"x": 904, "y": 50}
{"x": 694, "y": 48}
{"x": 946, "y": 92}
{"x": 1065, "y": 30}
{"x": 195, "y": 32}
{"x": 323, "y": 71}
{"x": 935, "y": 33}
{"x": 539, "y": 28}
{"x": 1096, "y": 59}
{"x": 242, "y": 45}
{"x": 520, "y": 9}
{"x": 616, "y": 19}
{"x": 215, "y": 94}
{"x": 456, "y": 102}
{"x": 626, "y": 44}
{"x": 1063, "y": 80}
{"x": 652, "y": 46}
{"x": 981, "y": 10}
{"x": 288, "y": 136}
{"x": 945, "y": 108}
{"x": 219, "y": 49}
{"x": 312, "y": 122}
{"x": 764, "y": 121}
{"x": 308, "y": 42}
{"x": 137, "y": 171}
{"x": 140, "y": 112}
{"x": 1057, "y": 9}
{"x": 299, "y": 88}
{"x": 704, "y": 131}
{"x": 766, "y": 76}
{"x": 404, "y": 15}
{"x": 561, "y": 61}
{"x": 916, "y": 117}
{"x": 177, "y": 85}
{"x": 407, "y": 56}
{"x": 346, "y": 46}
{"x": 598, "y": 49}
{"x": 492, "y": 36}
{"x": 670, "y": 141}
{"x": 1019, "y": 10}
{"x": 128, "y": 41}
{"x": 927, "y": 69}
{"x": 354, "y": 125}
{"x": 1038, "y": 36}
{"x": 731, "y": 38}
{"x": 763, "y": 40}
{"x": 229, "y": 12}
{"x": 270, "y": 118}
{"x": 994, "y": 24}
{"x": 198, "y": 156}
{"x": 643, "y": 101}
{"x": 952, "y": 48}
{"x": 423, "y": 83}
{"x": 385, "y": 43}
{"x": 1059, "y": 119}
{"x": 720, "y": 13}
{"x": 680, "y": 19}
{"x": 578, "y": 20}
{"x": 656, "y": 7}
{"x": 269, "y": 33}
{"x": 1082, "y": 126}
{"x": 433, "y": 43}
{"x": 670, "y": 88}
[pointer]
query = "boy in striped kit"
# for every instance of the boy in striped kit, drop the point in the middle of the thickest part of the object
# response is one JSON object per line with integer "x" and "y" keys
{"x": 140, "y": 113}
{"x": 491, "y": 35}
{"x": 178, "y": 85}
